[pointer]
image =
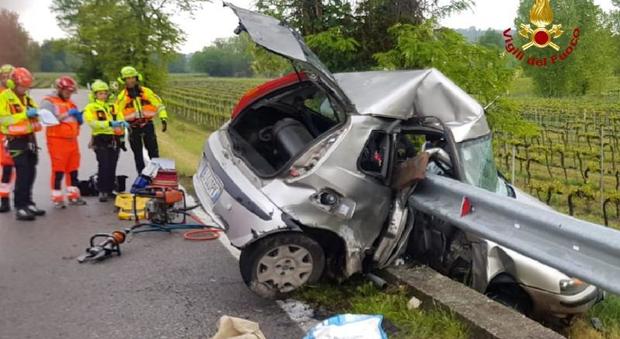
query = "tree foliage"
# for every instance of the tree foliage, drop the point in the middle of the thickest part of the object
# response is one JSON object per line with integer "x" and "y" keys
{"x": 226, "y": 57}
{"x": 346, "y": 38}
{"x": 479, "y": 70}
{"x": 592, "y": 59}
{"x": 179, "y": 63}
{"x": 309, "y": 16}
{"x": 338, "y": 51}
{"x": 110, "y": 34}
{"x": 56, "y": 55}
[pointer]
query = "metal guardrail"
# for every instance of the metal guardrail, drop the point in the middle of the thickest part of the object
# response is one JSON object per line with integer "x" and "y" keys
{"x": 580, "y": 249}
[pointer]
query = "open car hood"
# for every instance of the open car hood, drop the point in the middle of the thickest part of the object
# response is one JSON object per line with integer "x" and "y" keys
{"x": 278, "y": 38}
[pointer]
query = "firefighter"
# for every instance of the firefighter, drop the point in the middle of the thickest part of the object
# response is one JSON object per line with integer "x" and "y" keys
{"x": 62, "y": 142}
{"x": 5, "y": 158}
{"x": 19, "y": 122}
{"x": 108, "y": 129}
{"x": 139, "y": 105}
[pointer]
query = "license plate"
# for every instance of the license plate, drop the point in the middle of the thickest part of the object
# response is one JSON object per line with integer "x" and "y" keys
{"x": 211, "y": 183}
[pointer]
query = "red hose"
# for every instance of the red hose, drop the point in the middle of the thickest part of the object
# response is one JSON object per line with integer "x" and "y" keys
{"x": 202, "y": 235}
{"x": 208, "y": 233}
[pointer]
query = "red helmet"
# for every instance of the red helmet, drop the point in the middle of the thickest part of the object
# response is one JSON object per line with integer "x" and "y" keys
{"x": 66, "y": 82}
{"x": 21, "y": 77}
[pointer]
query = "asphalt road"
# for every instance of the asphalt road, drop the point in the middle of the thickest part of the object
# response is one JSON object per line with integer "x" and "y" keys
{"x": 161, "y": 287}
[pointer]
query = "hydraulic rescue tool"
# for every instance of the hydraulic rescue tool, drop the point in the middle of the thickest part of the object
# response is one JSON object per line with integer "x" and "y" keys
{"x": 104, "y": 249}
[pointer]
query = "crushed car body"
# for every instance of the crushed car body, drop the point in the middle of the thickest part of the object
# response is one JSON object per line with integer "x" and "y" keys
{"x": 312, "y": 175}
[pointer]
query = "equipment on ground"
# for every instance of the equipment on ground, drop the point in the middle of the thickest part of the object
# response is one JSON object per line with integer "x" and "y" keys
{"x": 109, "y": 246}
{"x": 159, "y": 205}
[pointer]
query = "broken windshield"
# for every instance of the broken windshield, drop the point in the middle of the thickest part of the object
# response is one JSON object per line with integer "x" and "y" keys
{"x": 479, "y": 164}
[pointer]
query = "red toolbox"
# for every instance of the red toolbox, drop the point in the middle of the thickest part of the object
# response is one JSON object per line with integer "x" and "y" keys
{"x": 166, "y": 174}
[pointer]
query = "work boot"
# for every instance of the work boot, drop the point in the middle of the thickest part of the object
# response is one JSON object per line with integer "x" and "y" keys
{"x": 77, "y": 201}
{"x": 35, "y": 211}
{"x": 5, "y": 206}
{"x": 103, "y": 197}
{"x": 24, "y": 214}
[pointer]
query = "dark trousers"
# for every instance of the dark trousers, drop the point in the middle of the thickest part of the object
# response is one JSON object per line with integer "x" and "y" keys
{"x": 7, "y": 172}
{"x": 139, "y": 136}
{"x": 107, "y": 151}
{"x": 23, "y": 150}
{"x": 58, "y": 176}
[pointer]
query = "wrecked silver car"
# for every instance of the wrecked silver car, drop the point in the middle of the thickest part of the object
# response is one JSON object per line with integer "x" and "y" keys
{"x": 311, "y": 176}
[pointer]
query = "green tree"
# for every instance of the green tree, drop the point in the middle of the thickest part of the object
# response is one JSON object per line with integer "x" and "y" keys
{"x": 375, "y": 17}
{"x": 491, "y": 38}
{"x": 479, "y": 70}
{"x": 56, "y": 56}
{"x": 110, "y": 34}
{"x": 346, "y": 38}
{"x": 178, "y": 64}
{"x": 338, "y": 51}
{"x": 590, "y": 62}
{"x": 226, "y": 57}
{"x": 309, "y": 16}
{"x": 17, "y": 47}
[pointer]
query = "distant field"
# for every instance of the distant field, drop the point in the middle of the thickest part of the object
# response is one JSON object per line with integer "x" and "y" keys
{"x": 46, "y": 80}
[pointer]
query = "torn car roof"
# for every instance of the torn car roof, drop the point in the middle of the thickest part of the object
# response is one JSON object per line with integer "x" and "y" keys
{"x": 407, "y": 94}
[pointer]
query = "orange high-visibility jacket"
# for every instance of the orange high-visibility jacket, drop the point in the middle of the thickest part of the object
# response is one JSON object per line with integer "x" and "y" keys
{"x": 68, "y": 127}
{"x": 143, "y": 108}
{"x": 13, "y": 118}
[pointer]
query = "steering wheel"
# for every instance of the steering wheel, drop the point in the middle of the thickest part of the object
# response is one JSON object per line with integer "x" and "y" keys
{"x": 440, "y": 157}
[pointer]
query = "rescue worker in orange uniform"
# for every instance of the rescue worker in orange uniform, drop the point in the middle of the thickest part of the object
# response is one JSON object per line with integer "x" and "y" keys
{"x": 108, "y": 128}
{"x": 139, "y": 106}
{"x": 6, "y": 162}
{"x": 62, "y": 142}
{"x": 19, "y": 122}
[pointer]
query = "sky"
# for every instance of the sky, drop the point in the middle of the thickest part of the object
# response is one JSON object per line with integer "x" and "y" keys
{"x": 214, "y": 21}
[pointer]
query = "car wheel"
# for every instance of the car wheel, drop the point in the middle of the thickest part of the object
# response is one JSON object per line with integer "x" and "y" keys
{"x": 277, "y": 265}
{"x": 511, "y": 295}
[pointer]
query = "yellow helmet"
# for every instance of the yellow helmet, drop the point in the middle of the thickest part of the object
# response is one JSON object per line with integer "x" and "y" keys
{"x": 99, "y": 86}
{"x": 6, "y": 69}
{"x": 129, "y": 72}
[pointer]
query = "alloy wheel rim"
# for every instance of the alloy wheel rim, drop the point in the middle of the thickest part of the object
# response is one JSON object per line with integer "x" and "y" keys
{"x": 285, "y": 267}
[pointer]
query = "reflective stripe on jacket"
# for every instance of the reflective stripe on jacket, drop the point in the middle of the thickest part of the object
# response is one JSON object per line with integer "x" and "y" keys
{"x": 98, "y": 115}
{"x": 13, "y": 118}
{"x": 68, "y": 127}
{"x": 142, "y": 108}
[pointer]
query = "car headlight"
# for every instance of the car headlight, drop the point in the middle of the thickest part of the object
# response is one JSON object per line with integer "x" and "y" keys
{"x": 572, "y": 286}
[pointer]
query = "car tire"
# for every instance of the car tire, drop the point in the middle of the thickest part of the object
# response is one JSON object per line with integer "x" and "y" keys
{"x": 274, "y": 266}
{"x": 512, "y": 296}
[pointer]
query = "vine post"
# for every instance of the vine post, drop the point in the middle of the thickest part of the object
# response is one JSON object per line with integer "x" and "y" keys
{"x": 514, "y": 155}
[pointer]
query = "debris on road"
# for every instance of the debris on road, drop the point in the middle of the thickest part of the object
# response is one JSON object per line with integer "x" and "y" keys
{"x": 237, "y": 328}
{"x": 349, "y": 326}
{"x": 414, "y": 303}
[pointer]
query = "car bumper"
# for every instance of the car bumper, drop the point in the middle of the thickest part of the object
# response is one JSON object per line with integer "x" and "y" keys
{"x": 564, "y": 305}
{"x": 239, "y": 207}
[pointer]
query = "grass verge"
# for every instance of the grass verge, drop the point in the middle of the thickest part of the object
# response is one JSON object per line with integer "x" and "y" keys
{"x": 608, "y": 311}
{"x": 360, "y": 297}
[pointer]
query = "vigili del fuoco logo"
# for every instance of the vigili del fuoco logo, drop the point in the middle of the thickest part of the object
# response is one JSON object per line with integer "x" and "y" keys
{"x": 541, "y": 16}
